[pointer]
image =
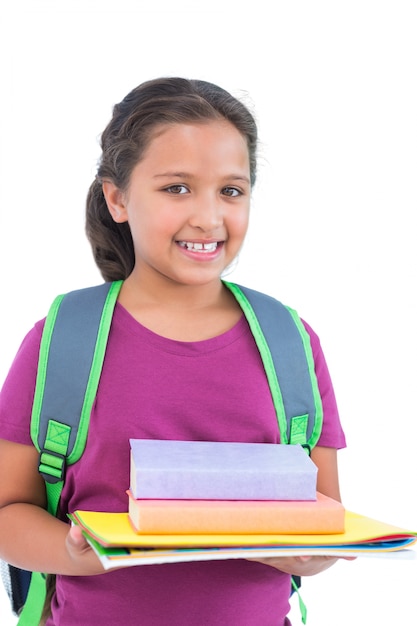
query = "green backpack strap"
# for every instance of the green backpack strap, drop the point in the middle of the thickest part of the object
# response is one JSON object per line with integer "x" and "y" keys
{"x": 285, "y": 349}
{"x": 32, "y": 611}
{"x": 70, "y": 361}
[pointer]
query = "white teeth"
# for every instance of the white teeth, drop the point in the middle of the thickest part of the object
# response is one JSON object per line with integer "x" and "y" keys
{"x": 199, "y": 247}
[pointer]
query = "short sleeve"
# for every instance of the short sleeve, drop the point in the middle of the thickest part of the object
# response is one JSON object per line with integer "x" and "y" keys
{"x": 332, "y": 435}
{"x": 16, "y": 396}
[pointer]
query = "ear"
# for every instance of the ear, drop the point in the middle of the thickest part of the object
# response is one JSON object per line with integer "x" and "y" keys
{"x": 115, "y": 200}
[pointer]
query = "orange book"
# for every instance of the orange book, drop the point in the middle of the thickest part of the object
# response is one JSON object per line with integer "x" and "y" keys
{"x": 321, "y": 516}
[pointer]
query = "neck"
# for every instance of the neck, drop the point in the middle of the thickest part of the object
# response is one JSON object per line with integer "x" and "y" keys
{"x": 140, "y": 290}
{"x": 182, "y": 312}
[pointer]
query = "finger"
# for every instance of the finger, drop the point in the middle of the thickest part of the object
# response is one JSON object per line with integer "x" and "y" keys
{"x": 76, "y": 537}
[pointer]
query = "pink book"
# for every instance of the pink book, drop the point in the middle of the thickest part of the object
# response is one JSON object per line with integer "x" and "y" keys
{"x": 321, "y": 516}
{"x": 216, "y": 470}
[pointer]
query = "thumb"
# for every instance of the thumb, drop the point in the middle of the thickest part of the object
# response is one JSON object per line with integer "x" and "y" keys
{"x": 76, "y": 538}
{"x": 84, "y": 560}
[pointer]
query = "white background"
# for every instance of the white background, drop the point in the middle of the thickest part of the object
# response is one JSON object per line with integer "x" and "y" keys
{"x": 333, "y": 86}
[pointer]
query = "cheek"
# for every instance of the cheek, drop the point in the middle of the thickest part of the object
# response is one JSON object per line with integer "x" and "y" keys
{"x": 239, "y": 224}
{"x": 145, "y": 222}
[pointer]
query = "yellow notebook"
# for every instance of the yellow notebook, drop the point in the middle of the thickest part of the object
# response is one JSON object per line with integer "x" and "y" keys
{"x": 115, "y": 529}
{"x": 118, "y": 545}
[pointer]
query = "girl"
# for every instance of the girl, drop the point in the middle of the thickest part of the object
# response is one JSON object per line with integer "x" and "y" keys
{"x": 168, "y": 213}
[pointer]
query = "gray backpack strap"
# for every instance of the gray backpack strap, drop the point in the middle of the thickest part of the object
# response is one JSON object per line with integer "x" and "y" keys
{"x": 70, "y": 361}
{"x": 285, "y": 349}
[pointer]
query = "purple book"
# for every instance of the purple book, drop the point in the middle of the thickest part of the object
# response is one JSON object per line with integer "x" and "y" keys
{"x": 207, "y": 470}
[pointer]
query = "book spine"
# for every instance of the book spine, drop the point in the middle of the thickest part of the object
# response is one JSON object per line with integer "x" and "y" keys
{"x": 222, "y": 517}
{"x": 222, "y": 485}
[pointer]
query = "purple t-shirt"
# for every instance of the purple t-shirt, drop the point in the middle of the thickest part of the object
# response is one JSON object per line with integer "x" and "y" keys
{"x": 153, "y": 387}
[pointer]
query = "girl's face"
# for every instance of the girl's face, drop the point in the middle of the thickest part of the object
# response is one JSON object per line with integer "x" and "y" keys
{"x": 187, "y": 203}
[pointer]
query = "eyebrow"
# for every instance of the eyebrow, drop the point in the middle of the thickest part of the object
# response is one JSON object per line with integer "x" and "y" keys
{"x": 185, "y": 175}
{"x": 173, "y": 174}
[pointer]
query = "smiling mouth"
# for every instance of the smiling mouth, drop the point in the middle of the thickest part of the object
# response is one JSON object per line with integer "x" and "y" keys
{"x": 198, "y": 246}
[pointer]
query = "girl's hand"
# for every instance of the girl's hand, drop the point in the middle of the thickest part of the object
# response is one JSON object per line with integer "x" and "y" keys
{"x": 302, "y": 565}
{"x": 85, "y": 560}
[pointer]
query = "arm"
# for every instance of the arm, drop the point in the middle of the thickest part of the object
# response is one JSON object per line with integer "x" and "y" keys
{"x": 31, "y": 538}
{"x": 327, "y": 476}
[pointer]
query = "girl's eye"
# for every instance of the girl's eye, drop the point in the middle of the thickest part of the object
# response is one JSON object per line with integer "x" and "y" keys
{"x": 231, "y": 192}
{"x": 177, "y": 189}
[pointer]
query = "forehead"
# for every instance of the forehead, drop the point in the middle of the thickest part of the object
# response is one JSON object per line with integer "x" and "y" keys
{"x": 208, "y": 141}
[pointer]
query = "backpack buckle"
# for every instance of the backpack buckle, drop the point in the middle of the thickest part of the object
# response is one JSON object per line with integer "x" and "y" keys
{"x": 52, "y": 466}
{"x": 54, "y": 452}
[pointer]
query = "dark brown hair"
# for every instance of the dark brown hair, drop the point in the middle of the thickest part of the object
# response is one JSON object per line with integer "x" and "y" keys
{"x": 155, "y": 102}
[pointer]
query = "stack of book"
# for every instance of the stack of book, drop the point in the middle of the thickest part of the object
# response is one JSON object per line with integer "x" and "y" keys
{"x": 195, "y": 501}
{"x": 203, "y": 487}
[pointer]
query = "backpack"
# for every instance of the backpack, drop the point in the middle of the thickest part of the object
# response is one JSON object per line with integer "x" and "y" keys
{"x": 71, "y": 356}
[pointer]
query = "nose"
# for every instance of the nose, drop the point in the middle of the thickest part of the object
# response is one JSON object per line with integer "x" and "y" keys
{"x": 207, "y": 213}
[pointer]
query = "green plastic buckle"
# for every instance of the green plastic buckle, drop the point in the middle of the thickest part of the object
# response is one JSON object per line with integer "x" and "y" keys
{"x": 52, "y": 466}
